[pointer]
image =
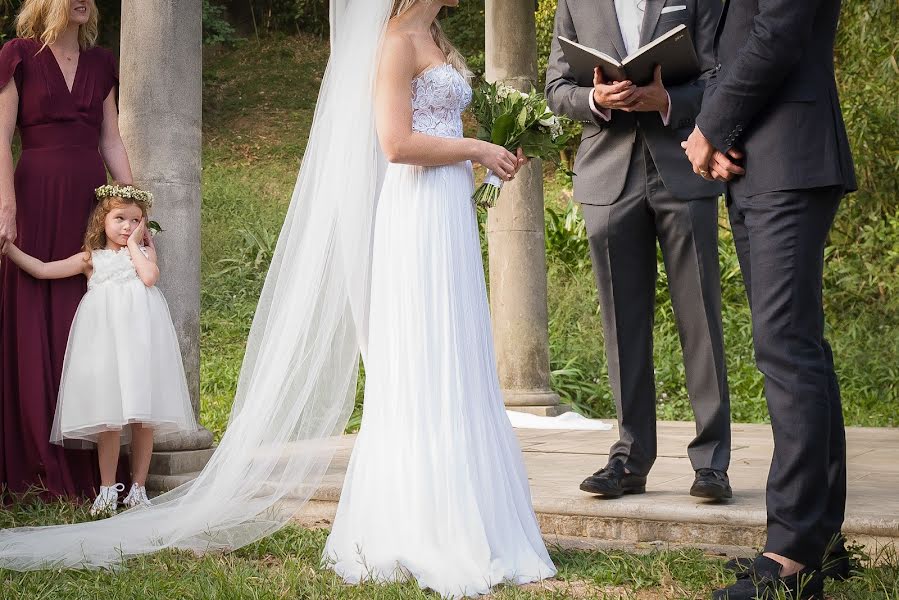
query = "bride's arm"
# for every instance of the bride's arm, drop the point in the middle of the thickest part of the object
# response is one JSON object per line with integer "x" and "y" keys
{"x": 393, "y": 112}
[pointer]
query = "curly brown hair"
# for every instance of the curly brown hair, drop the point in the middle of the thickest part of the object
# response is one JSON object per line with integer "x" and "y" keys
{"x": 95, "y": 237}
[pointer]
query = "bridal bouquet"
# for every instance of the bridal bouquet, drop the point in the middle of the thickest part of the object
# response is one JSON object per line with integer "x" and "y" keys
{"x": 514, "y": 119}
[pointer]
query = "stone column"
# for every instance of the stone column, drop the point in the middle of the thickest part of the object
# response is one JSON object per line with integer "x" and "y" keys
{"x": 160, "y": 99}
{"x": 515, "y": 231}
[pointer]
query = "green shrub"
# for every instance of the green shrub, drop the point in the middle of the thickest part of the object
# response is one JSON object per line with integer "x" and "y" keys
{"x": 216, "y": 28}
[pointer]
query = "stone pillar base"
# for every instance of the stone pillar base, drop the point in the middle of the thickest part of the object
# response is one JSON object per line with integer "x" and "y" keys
{"x": 179, "y": 460}
{"x": 543, "y": 403}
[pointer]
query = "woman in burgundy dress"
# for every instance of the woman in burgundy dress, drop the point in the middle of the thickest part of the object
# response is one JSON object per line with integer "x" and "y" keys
{"x": 59, "y": 90}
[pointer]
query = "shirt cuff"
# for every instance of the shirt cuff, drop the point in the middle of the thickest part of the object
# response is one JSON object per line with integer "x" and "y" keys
{"x": 602, "y": 113}
{"x": 666, "y": 118}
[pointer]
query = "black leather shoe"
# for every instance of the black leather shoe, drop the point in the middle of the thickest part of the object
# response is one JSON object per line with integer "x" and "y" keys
{"x": 762, "y": 581}
{"x": 837, "y": 565}
{"x": 613, "y": 482}
{"x": 711, "y": 484}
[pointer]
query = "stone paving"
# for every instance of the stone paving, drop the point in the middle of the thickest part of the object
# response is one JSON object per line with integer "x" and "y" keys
{"x": 667, "y": 515}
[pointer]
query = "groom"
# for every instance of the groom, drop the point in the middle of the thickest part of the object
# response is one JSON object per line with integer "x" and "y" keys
{"x": 774, "y": 99}
{"x": 635, "y": 189}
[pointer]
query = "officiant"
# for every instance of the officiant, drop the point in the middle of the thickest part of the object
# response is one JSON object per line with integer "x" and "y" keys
{"x": 636, "y": 188}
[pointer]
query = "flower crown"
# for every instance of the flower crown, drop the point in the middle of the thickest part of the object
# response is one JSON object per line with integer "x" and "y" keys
{"x": 128, "y": 192}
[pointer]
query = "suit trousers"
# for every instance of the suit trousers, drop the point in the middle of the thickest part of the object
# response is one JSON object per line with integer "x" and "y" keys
{"x": 622, "y": 238}
{"x": 780, "y": 239}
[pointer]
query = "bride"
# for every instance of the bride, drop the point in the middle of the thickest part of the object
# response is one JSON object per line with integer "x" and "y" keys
{"x": 436, "y": 486}
{"x": 381, "y": 260}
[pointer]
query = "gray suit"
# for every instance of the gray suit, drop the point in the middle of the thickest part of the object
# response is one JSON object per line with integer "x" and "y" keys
{"x": 636, "y": 187}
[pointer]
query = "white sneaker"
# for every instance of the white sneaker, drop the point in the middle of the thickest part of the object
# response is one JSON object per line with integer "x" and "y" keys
{"x": 107, "y": 501}
{"x": 137, "y": 496}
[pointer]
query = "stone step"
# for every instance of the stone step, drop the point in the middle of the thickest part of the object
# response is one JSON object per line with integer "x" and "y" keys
{"x": 180, "y": 462}
{"x": 630, "y": 527}
{"x": 740, "y": 533}
{"x": 158, "y": 484}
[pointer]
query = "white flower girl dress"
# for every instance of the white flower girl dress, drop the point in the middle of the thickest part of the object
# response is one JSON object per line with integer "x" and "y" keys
{"x": 122, "y": 363}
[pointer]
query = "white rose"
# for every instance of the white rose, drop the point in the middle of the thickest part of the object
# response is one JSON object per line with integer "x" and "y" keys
{"x": 550, "y": 121}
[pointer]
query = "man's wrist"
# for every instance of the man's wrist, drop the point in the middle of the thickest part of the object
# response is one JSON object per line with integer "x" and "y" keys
{"x": 599, "y": 112}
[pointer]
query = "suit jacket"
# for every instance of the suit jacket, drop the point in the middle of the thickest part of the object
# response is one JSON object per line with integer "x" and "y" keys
{"x": 605, "y": 151}
{"x": 774, "y": 96}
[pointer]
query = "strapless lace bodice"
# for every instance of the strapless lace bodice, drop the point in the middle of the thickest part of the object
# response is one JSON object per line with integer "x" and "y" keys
{"x": 111, "y": 266}
{"x": 439, "y": 95}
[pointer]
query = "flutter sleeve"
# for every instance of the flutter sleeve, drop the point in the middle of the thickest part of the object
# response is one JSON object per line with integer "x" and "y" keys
{"x": 10, "y": 63}
{"x": 112, "y": 73}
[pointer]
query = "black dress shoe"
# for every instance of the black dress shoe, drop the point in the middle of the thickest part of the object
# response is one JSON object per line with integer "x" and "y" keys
{"x": 612, "y": 481}
{"x": 762, "y": 581}
{"x": 711, "y": 484}
{"x": 837, "y": 565}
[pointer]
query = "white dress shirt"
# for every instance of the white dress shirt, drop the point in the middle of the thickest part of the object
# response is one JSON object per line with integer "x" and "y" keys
{"x": 630, "y": 22}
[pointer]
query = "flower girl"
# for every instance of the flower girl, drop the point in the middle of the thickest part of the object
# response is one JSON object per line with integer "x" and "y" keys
{"x": 122, "y": 381}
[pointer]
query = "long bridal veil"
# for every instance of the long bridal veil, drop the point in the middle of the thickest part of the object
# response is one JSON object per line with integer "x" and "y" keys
{"x": 298, "y": 380}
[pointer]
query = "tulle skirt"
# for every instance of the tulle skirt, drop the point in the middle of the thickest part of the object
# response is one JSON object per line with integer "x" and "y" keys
{"x": 122, "y": 366}
{"x": 436, "y": 488}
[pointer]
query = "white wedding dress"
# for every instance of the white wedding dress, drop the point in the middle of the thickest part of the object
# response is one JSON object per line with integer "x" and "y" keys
{"x": 436, "y": 487}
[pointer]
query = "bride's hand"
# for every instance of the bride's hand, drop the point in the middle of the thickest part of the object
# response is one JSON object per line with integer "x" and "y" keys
{"x": 499, "y": 160}
{"x": 522, "y": 160}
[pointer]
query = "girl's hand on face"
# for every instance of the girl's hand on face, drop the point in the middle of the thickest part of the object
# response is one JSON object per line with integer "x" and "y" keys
{"x": 139, "y": 232}
{"x": 148, "y": 237}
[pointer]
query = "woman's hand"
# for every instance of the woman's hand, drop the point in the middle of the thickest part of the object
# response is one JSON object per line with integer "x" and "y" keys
{"x": 522, "y": 160}
{"x": 7, "y": 226}
{"x": 499, "y": 160}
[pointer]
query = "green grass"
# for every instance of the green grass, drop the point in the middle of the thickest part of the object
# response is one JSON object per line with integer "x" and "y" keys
{"x": 287, "y": 565}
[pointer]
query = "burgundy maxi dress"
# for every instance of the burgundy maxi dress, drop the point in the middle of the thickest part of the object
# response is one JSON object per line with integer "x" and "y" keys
{"x": 58, "y": 170}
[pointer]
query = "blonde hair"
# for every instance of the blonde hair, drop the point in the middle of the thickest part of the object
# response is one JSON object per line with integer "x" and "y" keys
{"x": 453, "y": 56}
{"x": 95, "y": 237}
{"x": 45, "y": 20}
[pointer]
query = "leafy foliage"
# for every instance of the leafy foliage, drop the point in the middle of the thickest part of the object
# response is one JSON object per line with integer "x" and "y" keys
{"x": 513, "y": 119}
{"x": 216, "y": 27}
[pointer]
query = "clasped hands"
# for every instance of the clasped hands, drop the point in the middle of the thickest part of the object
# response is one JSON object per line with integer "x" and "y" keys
{"x": 708, "y": 162}
{"x": 624, "y": 95}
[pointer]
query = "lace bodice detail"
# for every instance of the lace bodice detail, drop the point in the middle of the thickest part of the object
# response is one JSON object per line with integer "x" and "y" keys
{"x": 111, "y": 266}
{"x": 439, "y": 95}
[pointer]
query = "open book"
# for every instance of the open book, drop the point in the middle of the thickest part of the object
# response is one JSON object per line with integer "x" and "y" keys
{"x": 674, "y": 51}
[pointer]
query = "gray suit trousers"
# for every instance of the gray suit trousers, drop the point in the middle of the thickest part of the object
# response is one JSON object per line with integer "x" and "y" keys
{"x": 622, "y": 239}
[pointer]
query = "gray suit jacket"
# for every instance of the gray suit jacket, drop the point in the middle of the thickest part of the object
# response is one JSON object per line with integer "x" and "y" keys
{"x": 605, "y": 150}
